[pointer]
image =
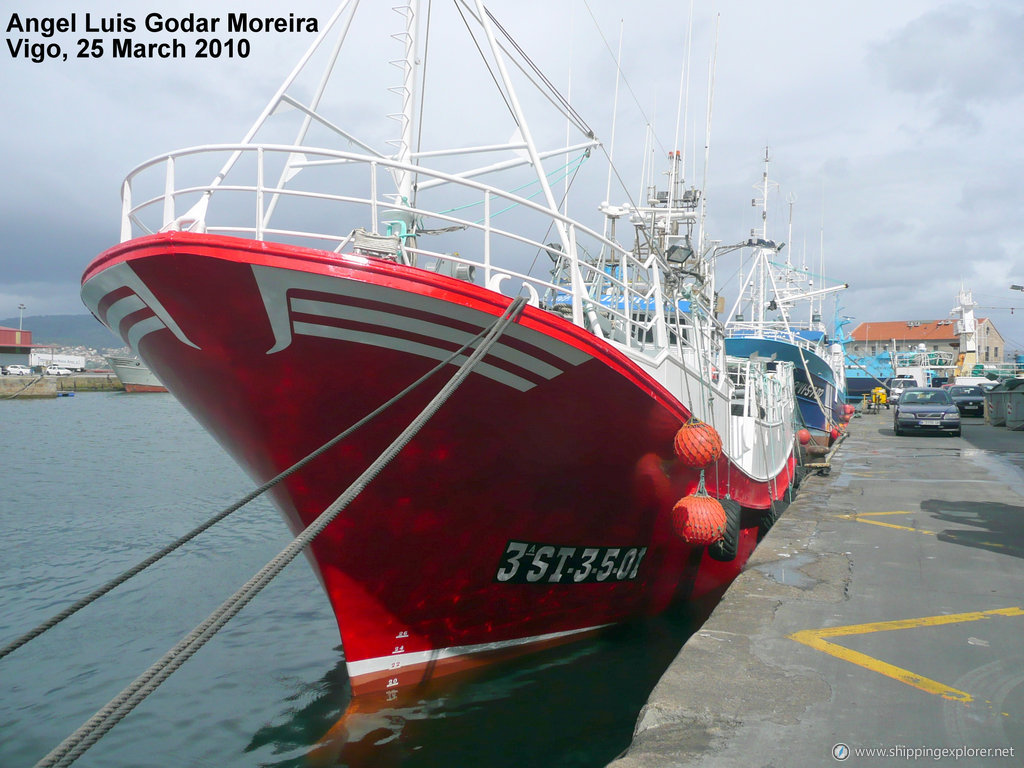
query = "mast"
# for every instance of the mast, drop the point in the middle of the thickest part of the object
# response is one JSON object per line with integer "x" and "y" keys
{"x": 761, "y": 284}
{"x": 407, "y": 91}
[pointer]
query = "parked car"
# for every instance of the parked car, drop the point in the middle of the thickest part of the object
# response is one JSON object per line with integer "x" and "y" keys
{"x": 18, "y": 370}
{"x": 969, "y": 399}
{"x": 925, "y": 409}
{"x": 56, "y": 370}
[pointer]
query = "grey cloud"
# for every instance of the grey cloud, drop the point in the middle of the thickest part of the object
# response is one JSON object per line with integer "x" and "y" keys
{"x": 957, "y": 57}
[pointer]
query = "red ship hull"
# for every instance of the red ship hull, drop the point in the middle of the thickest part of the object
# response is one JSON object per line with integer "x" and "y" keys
{"x": 143, "y": 388}
{"x": 533, "y": 507}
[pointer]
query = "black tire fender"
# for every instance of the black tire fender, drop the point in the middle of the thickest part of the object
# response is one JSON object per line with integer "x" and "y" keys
{"x": 725, "y": 548}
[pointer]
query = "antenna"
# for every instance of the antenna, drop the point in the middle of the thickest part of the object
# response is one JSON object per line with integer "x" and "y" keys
{"x": 684, "y": 95}
{"x": 711, "y": 103}
{"x": 791, "y": 199}
{"x": 821, "y": 248}
{"x": 707, "y": 150}
{"x": 615, "y": 111}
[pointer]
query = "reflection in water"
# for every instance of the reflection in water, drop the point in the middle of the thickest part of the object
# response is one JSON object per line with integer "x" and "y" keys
{"x": 575, "y": 705}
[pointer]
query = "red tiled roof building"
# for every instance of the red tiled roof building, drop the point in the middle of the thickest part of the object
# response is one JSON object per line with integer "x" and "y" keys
{"x": 936, "y": 335}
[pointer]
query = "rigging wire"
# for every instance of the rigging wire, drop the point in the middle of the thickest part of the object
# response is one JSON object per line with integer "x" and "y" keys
{"x": 629, "y": 87}
{"x": 138, "y": 568}
{"x": 487, "y": 63}
{"x": 121, "y": 705}
{"x": 569, "y": 109}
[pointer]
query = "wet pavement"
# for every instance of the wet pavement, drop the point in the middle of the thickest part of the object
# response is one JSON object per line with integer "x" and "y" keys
{"x": 880, "y": 621}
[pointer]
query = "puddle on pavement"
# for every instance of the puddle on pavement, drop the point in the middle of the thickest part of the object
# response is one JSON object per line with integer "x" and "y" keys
{"x": 787, "y": 571}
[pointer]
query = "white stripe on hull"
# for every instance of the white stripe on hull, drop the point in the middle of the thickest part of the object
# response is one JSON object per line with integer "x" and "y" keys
{"x": 387, "y": 663}
{"x": 411, "y": 347}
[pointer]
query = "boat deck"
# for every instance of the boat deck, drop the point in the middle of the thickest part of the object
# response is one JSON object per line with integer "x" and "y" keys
{"x": 884, "y": 611}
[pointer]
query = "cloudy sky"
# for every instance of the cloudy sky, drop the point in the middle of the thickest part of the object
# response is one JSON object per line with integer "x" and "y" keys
{"x": 895, "y": 127}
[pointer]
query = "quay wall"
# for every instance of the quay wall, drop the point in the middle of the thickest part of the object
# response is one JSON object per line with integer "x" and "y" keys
{"x": 12, "y": 387}
{"x": 95, "y": 382}
{"x": 19, "y": 387}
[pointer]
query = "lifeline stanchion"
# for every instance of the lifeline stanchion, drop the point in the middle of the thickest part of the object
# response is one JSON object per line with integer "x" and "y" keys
{"x": 118, "y": 708}
{"x": 141, "y": 566}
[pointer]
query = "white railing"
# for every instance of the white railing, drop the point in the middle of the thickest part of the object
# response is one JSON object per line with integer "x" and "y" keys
{"x": 783, "y": 332}
{"x": 761, "y": 389}
{"x": 617, "y": 294}
{"x": 926, "y": 359}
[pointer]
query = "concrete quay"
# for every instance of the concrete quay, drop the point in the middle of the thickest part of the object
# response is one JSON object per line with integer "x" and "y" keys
{"x": 880, "y": 622}
{"x": 89, "y": 382}
{"x": 36, "y": 386}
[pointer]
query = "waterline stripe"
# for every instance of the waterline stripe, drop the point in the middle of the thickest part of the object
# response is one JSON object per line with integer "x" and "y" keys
{"x": 383, "y": 663}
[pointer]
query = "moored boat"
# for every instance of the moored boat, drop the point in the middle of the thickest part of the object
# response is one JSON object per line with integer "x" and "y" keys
{"x": 134, "y": 374}
{"x": 778, "y": 315}
{"x": 540, "y": 502}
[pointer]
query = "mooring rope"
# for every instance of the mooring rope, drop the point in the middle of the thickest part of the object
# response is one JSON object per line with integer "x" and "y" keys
{"x": 118, "y": 708}
{"x": 138, "y": 568}
{"x": 814, "y": 390}
{"x": 36, "y": 380}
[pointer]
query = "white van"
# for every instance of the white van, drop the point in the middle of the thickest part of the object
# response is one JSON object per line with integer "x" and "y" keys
{"x": 898, "y": 384}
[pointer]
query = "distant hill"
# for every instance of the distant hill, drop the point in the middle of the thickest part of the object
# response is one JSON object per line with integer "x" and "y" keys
{"x": 67, "y": 331}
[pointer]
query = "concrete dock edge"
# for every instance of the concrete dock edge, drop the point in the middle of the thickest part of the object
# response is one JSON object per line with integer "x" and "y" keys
{"x": 947, "y": 536}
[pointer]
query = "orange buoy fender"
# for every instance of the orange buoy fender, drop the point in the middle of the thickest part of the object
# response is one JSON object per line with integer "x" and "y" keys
{"x": 699, "y": 520}
{"x": 804, "y": 436}
{"x": 698, "y": 444}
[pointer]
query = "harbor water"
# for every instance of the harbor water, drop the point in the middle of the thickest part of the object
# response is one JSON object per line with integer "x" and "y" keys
{"x": 95, "y": 483}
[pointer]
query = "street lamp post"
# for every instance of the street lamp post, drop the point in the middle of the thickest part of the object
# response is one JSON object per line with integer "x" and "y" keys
{"x": 21, "y": 314}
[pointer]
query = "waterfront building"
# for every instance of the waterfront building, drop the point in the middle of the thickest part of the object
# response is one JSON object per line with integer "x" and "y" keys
{"x": 15, "y": 346}
{"x": 872, "y": 338}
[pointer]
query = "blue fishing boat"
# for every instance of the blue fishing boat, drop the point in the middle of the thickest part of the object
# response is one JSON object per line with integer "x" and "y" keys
{"x": 864, "y": 371}
{"x": 778, "y": 315}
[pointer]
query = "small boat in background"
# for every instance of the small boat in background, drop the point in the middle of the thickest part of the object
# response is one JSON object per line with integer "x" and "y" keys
{"x": 135, "y": 375}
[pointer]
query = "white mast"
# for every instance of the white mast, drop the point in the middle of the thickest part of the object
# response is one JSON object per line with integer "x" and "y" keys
{"x": 759, "y": 293}
{"x": 407, "y": 91}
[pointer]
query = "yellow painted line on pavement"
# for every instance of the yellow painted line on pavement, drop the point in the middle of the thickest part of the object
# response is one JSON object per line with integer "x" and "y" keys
{"x": 952, "y": 536}
{"x": 815, "y": 638}
{"x": 857, "y": 517}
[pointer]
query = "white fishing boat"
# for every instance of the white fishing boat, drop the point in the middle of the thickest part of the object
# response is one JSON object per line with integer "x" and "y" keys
{"x": 134, "y": 374}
